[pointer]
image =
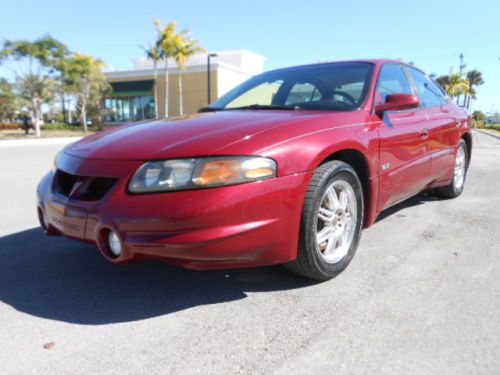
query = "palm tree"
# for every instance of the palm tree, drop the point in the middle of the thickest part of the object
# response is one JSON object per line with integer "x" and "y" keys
{"x": 155, "y": 54}
{"x": 454, "y": 84}
{"x": 444, "y": 81}
{"x": 185, "y": 48}
{"x": 167, "y": 41}
{"x": 475, "y": 78}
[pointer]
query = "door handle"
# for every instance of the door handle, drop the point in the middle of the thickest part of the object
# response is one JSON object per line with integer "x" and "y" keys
{"x": 424, "y": 133}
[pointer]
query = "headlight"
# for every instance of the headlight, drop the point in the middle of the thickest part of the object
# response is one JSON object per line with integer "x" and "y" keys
{"x": 184, "y": 174}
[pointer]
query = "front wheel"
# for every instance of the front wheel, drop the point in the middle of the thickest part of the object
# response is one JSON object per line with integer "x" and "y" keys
{"x": 331, "y": 224}
{"x": 456, "y": 187}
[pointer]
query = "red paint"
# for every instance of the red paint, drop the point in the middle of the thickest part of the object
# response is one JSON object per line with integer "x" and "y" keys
{"x": 254, "y": 223}
{"x": 397, "y": 102}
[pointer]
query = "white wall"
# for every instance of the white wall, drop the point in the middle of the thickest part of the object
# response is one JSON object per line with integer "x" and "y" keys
{"x": 247, "y": 61}
{"x": 228, "y": 78}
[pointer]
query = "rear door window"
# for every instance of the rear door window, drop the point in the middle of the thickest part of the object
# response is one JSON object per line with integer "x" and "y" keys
{"x": 428, "y": 92}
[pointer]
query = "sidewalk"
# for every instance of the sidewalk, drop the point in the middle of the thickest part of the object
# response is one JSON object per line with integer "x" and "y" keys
{"x": 486, "y": 132}
{"x": 37, "y": 142}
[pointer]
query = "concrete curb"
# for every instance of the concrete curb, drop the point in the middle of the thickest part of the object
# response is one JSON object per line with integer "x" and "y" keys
{"x": 487, "y": 133}
{"x": 37, "y": 142}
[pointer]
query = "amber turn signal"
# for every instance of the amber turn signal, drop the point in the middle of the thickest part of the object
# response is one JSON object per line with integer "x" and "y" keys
{"x": 220, "y": 171}
{"x": 227, "y": 170}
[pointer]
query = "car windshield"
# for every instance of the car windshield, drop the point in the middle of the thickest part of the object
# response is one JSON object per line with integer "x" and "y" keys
{"x": 331, "y": 86}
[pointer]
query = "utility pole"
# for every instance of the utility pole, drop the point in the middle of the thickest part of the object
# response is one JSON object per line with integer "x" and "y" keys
{"x": 462, "y": 65}
{"x": 461, "y": 69}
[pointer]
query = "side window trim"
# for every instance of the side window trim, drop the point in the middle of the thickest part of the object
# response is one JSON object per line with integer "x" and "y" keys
{"x": 413, "y": 84}
{"x": 375, "y": 88}
{"x": 444, "y": 95}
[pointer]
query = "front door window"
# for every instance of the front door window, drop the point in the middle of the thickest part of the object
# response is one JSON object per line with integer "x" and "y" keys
{"x": 392, "y": 80}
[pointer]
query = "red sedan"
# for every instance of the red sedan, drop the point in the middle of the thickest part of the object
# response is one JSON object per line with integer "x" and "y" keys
{"x": 286, "y": 168}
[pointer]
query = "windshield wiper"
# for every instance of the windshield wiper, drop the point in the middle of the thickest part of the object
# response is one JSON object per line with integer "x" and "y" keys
{"x": 251, "y": 106}
{"x": 209, "y": 109}
{"x": 265, "y": 106}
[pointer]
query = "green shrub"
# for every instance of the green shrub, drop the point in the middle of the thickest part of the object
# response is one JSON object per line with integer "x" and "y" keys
{"x": 60, "y": 126}
{"x": 493, "y": 126}
{"x": 479, "y": 116}
{"x": 478, "y": 124}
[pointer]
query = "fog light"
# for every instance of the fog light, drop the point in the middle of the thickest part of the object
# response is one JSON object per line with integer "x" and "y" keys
{"x": 115, "y": 245}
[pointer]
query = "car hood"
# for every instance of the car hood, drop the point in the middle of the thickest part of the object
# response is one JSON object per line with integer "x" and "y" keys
{"x": 184, "y": 136}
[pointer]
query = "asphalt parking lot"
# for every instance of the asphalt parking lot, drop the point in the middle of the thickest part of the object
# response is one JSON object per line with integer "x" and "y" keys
{"x": 422, "y": 296}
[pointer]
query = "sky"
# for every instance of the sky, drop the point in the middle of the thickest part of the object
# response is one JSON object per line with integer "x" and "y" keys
{"x": 431, "y": 34}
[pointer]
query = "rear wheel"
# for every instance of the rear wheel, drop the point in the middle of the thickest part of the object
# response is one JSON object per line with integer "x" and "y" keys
{"x": 331, "y": 224}
{"x": 456, "y": 187}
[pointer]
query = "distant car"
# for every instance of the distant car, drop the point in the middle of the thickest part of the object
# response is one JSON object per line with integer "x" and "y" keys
{"x": 286, "y": 168}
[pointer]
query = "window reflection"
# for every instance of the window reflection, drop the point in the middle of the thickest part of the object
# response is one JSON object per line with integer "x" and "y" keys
{"x": 129, "y": 108}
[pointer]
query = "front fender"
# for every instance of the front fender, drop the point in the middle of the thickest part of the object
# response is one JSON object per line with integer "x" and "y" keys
{"x": 307, "y": 151}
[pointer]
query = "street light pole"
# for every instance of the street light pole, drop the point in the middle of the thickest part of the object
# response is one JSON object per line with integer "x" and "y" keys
{"x": 209, "y": 81}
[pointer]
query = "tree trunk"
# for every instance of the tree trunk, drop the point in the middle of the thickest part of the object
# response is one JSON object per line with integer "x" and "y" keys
{"x": 70, "y": 117}
{"x": 181, "y": 104}
{"x": 166, "y": 87}
{"x": 35, "y": 116}
{"x": 83, "y": 116}
{"x": 63, "y": 100}
{"x": 100, "y": 115}
{"x": 155, "y": 74}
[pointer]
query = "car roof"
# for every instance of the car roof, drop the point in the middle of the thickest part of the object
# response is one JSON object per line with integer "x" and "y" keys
{"x": 369, "y": 61}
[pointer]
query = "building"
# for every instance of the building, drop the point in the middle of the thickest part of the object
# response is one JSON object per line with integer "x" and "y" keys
{"x": 493, "y": 118}
{"x": 133, "y": 95}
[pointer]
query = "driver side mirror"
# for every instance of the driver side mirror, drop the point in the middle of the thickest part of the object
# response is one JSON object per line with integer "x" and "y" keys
{"x": 397, "y": 102}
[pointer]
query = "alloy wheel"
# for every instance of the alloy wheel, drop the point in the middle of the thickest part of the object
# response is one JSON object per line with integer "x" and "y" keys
{"x": 336, "y": 221}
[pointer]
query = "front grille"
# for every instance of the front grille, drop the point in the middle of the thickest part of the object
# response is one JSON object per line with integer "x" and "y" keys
{"x": 83, "y": 188}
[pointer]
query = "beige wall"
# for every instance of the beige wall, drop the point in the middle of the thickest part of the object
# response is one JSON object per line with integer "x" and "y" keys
{"x": 194, "y": 86}
{"x": 194, "y": 92}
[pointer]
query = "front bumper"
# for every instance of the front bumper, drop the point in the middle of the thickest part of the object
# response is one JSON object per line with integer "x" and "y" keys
{"x": 242, "y": 225}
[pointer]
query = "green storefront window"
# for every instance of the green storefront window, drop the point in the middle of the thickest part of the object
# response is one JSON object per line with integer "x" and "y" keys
{"x": 130, "y": 101}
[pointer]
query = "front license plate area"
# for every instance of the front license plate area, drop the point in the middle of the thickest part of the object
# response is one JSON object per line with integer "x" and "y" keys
{"x": 67, "y": 219}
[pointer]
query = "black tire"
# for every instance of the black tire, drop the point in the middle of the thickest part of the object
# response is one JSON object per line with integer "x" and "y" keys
{"x": 452, "y": 191}
{"x": 309, "y": 263}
